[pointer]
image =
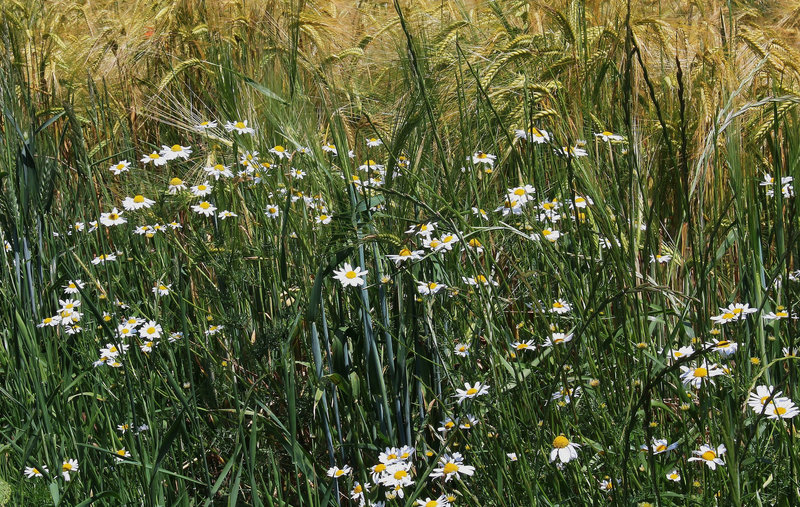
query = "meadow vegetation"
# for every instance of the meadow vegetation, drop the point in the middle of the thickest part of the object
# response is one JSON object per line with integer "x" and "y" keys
{"x": 399, "y": 253}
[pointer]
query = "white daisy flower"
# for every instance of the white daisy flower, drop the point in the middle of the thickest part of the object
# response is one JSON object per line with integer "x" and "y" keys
{"x": 175, "y": 151}
{"x": 204, "y": 208}
{"x": 205, "y": 125}
{"x": 137, "y": 202}
{"x": 480, "y": 157}
{"x": 471, "y": 391}
{"x": 709, "y": 456}
{"x": 564, "y": 450}
{"x": 156, "y": 158}
{"x": 351, "y": 277}
{"x": 240, "y": 127}
{"x": 120, "y": 167}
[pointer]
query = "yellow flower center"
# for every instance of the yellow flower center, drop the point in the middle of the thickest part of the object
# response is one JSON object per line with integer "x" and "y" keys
{"x": 350, "y": 274}
{"x": 607, "y": 133}
{"x": 560, "y": 442}
{"x": 323, "y": 217}
{"x": 176, "y": 147}
{"x": 339, "y": 473}
{"x": 138, "y": 199}
{"x": 431, "y": 503}
{"x": 708, "y": 455}
{"x": 155, "y": 156}
{"x": 175, "y": 181}
{"x": 780, "y": 410}
{"x": 519, "y": 191}
{"x": 481, "y": 155}
{"x": 120, "y": 166}
{"x": 121, "y": 452}
{"x": 380, "y": 467}
{"x": 661, "y": 448}
{"x": 447, "y": 239}
{"x": 405, "y": 252}
{"x": 481, "y": 279}
{"x": 700, "y": 372}
{"x": 205, "y": 205}
{"x": 432, "y": 285}
{"x": 113, "y": 216}
{"x": 522, "y": 346}
{"x": 472, "y": 391}
{"x": 357, "y": 489}
{"x": 450, "y": 468}
{"x": 400, "y": 474}
{"x": 219, "y": 167}
{"x": 279, "y": 148}
{"x": 66, "y": 467}
{"x": 558, "y": 305}
{"x": 150, "y": 330}
{"x": 534, "y": 131}
{"x": 240, "y": 125}
{"x": 474, "y": 243}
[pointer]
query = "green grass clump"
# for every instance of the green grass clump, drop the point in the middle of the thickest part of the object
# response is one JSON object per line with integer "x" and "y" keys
{"x": 510, "y": 255}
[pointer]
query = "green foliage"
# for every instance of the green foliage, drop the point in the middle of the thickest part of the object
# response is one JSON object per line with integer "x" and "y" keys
{"x": 268, "y": 370}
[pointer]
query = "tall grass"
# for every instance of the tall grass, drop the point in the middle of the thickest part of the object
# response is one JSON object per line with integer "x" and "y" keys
{"x": 280, "y": 372}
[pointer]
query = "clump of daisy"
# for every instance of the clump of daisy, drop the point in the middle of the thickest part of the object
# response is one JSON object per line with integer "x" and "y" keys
{"x": 734, "y": 312}
{"x": 772, "y": 403}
